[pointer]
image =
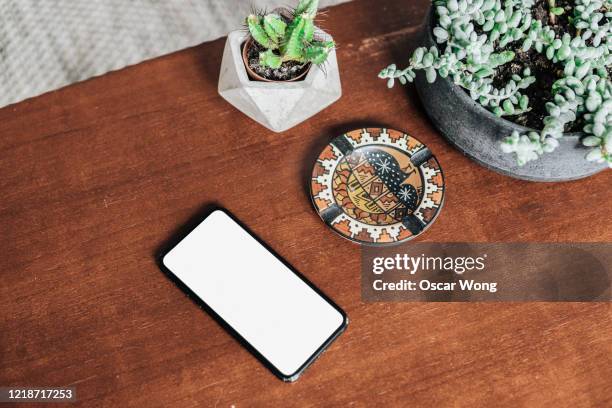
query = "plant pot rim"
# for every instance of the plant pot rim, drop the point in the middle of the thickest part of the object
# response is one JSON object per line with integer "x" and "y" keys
{"x": 256, "y": 77}
{"x": 461, "y": 93}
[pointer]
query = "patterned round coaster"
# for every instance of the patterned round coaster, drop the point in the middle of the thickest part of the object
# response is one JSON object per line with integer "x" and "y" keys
{"x": 377, "y": 186}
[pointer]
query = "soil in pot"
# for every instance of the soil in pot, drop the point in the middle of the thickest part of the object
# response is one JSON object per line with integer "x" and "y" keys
{"x": 288, "y": 71}
{"x": 545, "y": 71}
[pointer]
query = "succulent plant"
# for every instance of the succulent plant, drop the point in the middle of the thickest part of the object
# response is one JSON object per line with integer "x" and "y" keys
{"x": 473, "y": 39}
{"x": 289, "y": 38}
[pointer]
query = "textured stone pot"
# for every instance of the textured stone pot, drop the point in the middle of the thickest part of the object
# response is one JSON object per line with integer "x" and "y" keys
{"x": 276, "y": 105}
{"x": 477, "y": 133}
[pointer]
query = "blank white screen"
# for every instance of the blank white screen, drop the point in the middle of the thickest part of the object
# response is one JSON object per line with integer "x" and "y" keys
{"x": 256, "y": 294}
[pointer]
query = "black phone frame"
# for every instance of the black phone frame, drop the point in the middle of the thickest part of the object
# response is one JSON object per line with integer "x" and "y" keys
{"x": 203, "y": 305}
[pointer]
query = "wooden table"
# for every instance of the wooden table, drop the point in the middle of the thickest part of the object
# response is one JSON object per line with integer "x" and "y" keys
{"x": 98, "y": 176}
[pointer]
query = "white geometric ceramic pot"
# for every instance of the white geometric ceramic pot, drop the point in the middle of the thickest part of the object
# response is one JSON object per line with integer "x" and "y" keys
{"x": 276, "y": 105}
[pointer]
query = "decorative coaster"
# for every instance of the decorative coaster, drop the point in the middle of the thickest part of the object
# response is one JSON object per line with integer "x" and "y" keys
{"x": 377, "y": 186}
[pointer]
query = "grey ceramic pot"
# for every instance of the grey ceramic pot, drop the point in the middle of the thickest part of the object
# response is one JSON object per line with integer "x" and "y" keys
{"x": 477, "y": 133}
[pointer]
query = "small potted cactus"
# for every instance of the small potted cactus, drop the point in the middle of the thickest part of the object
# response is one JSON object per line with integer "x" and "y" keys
{"x": 283, "y": 45}
{"x": 522, "y": 87}
{"x": 283, "y": 69}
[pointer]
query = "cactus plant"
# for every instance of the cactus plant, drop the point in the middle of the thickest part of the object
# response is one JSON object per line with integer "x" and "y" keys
{"x": 289, "y": 38}
{"x": 476, "y": 38}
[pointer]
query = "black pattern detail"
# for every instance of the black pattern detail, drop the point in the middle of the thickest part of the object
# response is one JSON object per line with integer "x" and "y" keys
{"x": 413, "y": 223}
{"x": 420, "y": 156}
{"x": 389, "y": 171}
{"x": 343, "y": 144}
{"x": 330, "y": 213}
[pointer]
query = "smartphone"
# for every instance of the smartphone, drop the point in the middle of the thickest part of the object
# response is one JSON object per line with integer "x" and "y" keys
{"x": 283, "y": 319}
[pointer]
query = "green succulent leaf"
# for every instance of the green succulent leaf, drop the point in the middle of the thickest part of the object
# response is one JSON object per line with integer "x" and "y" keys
{"x": 484, "y": 72}
{"x": 309, "y": 29}
{"x": 441, "y": 34}
{"x": 258, "y": 32}
{"x": 270, "y": 59}
{"x": 317, "y": 53}
{"x": 274, "y": 26}
{"x": 594, "y": 155}
{"x": 293, "y": 46}
{"x": 430, "y": 74}
{"x": 308, "y": 7}
{"x": 564, "y": 52}
{"x": 591, "y": 141}
{"x": 557, "y": 11}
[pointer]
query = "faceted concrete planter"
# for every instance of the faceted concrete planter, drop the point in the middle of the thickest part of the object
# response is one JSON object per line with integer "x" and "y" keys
{"x": 477, "y": 133}
{"x": 276, "y": 105}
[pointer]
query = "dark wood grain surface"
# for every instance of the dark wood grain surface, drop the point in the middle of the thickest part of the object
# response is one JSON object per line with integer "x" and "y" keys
{"x": 98, "y": 176}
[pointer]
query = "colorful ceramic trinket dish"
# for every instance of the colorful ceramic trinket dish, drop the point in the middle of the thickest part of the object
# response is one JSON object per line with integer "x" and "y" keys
{"x": 377, "y": 186}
